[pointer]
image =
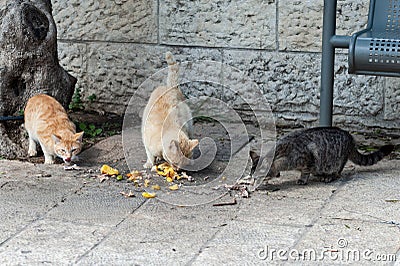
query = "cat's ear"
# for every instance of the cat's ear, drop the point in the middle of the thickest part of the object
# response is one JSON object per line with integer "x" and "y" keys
{"x": 193, "y": 143}
{"x": 174, "y": 146}
{"x": 79, "y": 136}
{"x": 56, "y": 139}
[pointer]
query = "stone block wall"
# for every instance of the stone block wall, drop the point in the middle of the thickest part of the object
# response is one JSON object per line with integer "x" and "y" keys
{"x": 112, "y": 46}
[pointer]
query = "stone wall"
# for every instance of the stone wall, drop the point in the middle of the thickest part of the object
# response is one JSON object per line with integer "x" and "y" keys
{"x": 113, "y": 46}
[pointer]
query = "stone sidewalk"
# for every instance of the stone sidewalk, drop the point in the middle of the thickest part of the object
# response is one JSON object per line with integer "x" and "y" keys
{"x": 50, "y": 216}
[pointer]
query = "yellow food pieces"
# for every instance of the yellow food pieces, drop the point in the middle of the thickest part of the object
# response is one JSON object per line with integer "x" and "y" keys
{"x": 174, "y": 187}
{"x": 166, "y": 170}
{"x": 146, "y": 183}
{"x": 148, "y": 195}
{"x": 134, "y": 175}
{"x": 155, "y": 187}
{"x": 108, "y": 170}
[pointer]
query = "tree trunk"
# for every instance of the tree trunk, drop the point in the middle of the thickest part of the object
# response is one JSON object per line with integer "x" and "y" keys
{"x": 28, "y": 66}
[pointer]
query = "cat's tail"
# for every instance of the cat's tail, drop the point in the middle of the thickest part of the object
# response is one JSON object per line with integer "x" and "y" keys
{"x": 372, "y": 158}
{"x": 173, "y": 71}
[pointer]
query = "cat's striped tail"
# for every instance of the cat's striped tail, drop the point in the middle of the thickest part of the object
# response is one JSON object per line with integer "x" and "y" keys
{"x": 372, "y": 158}
{"x": 173, "y": 71}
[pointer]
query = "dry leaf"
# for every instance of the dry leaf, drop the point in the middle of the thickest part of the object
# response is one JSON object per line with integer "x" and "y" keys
{"x": 127, "y": 195}
{"x": 242, "y": 190}
{"x": 148, "y": 195}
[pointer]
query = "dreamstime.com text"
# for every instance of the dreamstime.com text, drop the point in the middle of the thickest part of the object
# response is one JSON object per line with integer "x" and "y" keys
{"x": 339, "y": 253}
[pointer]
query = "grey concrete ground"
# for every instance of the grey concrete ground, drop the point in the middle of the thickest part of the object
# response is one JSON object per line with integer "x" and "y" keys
{"x": 50, "y": 216}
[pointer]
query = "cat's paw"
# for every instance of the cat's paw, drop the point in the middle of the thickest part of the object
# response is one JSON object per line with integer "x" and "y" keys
{"x": 32, "y": 153}
{"x": 49, "y": 160}
{"x": 328, "y": 179}
{"x": 301, "y": 182}
{"x": 148, "y": 165}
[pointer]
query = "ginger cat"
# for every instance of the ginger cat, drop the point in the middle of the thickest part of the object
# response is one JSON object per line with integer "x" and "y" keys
{"x": 47, "y": 123}
{"x": 166, "y": 124}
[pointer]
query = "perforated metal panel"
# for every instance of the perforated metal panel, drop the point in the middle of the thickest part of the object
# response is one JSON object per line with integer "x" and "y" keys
{"x": 384, "y": 51}
{"x": 377, "y": 49}
{"x": 392, "y": 16}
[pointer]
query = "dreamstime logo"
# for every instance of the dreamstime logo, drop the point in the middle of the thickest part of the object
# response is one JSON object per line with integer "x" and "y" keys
{"x": 341, "y": 252}
{"x": 225, "y": 105}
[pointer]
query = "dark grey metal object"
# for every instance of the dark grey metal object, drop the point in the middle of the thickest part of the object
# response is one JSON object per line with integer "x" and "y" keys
{"x": 372, "y": 51}
{"x": 11, "y": 118}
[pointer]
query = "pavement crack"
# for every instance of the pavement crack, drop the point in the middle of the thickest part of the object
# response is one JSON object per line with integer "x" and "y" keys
{"x": 112, "y": 230}
{"x": 309, "y": 227}
{"x": 205, "y": 245}
{"x": 376, "y": 219}
{"x": 21, "y": 230}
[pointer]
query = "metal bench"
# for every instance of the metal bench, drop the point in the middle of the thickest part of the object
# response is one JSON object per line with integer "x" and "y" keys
{"x": 372, "y": 51}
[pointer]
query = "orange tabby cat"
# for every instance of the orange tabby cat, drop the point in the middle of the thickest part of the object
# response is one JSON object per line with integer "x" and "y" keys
{"x": 47, "y": 123}
{"x": 166, "y": 124}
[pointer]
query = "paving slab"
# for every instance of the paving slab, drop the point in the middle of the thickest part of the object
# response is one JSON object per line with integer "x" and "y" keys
{"x": 58, "y": 217}
{"x": 160, "y": 234}
{"x": 245, "y": 243}
{"x": 97, "y": 203}
{"x": 50, "y": 241}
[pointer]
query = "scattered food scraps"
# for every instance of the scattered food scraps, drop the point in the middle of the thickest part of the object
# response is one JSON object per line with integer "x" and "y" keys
{"x": 108, "y": 170}
{"x": 185, "y": 176}
{"x": 242, "y": 190}
{"x": 247, "y": 180}
{"x": 128, "y": 195}
{"x": 71, "y": 167}
{"x": 168, "y": 171}
{"x": 174, "y": 187}
{"x": 155, "y": 187}
{"x": 146, "y": 183}
{"x": 119, "y": 177}
{"x": 148, "y": 195}
{"x": 134, "y": 175}
{"x": 103, "y": 178}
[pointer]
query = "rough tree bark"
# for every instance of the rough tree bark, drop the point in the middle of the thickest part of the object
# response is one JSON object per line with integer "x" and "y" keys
{"x": 28, "y": 65}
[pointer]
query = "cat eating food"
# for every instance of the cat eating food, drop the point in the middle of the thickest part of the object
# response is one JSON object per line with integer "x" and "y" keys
{"x": 321, "y": 151}
{"x": 166, "y": 124}
{"x": 48, "y": 124}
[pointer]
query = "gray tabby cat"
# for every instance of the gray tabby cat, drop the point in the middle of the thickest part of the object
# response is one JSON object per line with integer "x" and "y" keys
{"x": 321, "y": 151}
